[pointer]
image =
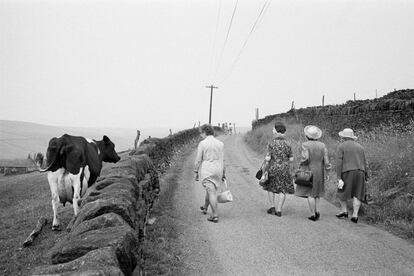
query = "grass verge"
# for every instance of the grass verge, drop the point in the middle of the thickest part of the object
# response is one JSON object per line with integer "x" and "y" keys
{"x": 390, "y": 153}
{"x": 162, "y": 250}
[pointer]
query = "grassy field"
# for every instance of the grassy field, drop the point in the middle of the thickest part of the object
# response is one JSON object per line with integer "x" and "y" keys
{"x": 23, "y": 200}
{"x": 390, "y": 153}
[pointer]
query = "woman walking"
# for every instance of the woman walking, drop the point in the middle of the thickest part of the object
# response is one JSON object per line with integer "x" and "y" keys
{"x": 314, "y": 156}
{"x": 279, "y": 167}
{"x": 352, "y": 173}
{"x": 209, "y": 168}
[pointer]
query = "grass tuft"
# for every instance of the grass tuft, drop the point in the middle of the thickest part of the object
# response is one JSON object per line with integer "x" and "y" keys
{"x": 390, "y": 153}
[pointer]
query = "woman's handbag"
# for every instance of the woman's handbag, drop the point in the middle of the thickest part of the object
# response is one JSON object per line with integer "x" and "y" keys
{"x": 259, "y": 174}
{"x": 304, "y": 178}
{"x": 225, "y": 196}
{"x": 261, "y": 171}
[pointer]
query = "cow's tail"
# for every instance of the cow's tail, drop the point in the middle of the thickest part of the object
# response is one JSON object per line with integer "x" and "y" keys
{"x": 42, "y": 170}
{"x": 52, "y": 152}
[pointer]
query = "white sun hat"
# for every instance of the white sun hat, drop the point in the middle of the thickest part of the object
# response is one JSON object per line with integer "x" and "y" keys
{"x": 347, "y": 133}
{"x": 313, "y": 132}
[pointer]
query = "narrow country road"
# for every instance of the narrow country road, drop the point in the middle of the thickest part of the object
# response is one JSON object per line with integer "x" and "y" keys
{"x": 248, "y": 241}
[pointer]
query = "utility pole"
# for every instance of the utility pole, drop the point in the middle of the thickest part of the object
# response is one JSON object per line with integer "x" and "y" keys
{"x": 323, "y": 100}
{"x": 354, "y": 97}
{"x": 211, "y": 101}
{"x": 376, "y": 93}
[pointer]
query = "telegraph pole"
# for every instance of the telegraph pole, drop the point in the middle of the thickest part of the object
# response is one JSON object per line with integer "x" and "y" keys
{"x": 211, "y": 101}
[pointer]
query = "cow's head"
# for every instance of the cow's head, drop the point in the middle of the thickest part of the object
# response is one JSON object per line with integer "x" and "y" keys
{"x": 107, "y": 151}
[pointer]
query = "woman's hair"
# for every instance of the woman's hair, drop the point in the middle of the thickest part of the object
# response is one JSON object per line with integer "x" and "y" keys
{"x": 280, "y": 127}
{"x": 207, "y": 129}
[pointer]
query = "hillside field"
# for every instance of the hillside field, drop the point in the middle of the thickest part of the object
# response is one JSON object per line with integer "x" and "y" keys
{"x": 18, "y": 139}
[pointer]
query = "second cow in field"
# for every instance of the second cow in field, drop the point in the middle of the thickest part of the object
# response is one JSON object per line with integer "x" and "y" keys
{"x": 73, "y": 164}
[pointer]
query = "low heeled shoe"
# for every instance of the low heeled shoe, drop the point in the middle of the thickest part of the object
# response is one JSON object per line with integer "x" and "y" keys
{"x": 354, "y": 219}
{"x": 342, "y": 215}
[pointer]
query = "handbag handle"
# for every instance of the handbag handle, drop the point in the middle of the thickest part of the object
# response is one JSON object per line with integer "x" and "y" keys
{"x": 225, "y": 183}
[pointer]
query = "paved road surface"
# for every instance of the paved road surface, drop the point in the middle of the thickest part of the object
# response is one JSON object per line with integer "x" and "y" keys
{"x": 248, "y": 241}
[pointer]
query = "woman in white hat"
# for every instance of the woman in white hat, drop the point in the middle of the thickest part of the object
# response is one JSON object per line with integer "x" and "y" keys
{"x": 315, "y": 158}
{"x": 351, "y": 166}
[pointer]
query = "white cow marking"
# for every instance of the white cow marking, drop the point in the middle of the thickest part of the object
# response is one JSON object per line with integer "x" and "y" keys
{"x": 92, "y": 141}
{"x": 66, "y": 187}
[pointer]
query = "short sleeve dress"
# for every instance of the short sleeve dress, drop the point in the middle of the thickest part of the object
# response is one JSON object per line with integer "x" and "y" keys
{"x": 280, "y": 179}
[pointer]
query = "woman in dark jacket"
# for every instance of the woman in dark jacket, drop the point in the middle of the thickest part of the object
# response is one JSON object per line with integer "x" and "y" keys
{"x": 352, "y": 173}
{"x": 315, "y": 158}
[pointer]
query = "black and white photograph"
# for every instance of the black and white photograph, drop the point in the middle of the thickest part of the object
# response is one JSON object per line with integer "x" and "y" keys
{"x": 206, "y": 137}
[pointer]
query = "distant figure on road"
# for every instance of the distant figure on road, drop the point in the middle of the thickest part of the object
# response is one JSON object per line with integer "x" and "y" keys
{"x": 280, "y": 159}
{"x": 352, "y": 172}
{"x": 137, "y": 139}
{"x": 315, "y": 157}
{"x": 209, "y": 168}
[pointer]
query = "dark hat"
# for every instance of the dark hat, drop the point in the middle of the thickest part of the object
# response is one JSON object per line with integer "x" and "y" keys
{"x": 280, "y": 127}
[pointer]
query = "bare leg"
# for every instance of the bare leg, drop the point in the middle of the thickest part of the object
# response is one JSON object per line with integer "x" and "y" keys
{"x": 271, "y": 199}
{"x": 282, "y": 198}
{"x": 212, "y": 197}
{"x": 317, "y": 201}
{"x": 206, "y": 201}
{"x": 344, "y": 207}
{"x": 310, "y": 207}
{"x": 356, "y": 205}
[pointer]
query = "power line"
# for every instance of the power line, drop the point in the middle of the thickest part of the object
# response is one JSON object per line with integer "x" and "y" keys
{"x": 214, "y": 41}
{"x": 227, "y": 36}
{"x": 259, "y": 18}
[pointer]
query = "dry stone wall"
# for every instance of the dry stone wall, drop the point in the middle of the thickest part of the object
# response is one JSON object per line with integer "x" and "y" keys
{"x": 395, "y": 108}
{"x": 106, "y": 237}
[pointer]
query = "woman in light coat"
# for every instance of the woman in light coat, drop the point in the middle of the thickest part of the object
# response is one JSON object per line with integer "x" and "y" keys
{"x": 209, "y": 168}
{"x": 314, "y": 156}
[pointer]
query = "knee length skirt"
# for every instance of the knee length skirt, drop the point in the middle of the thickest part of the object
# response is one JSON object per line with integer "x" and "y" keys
{"x": 354, "y": 185}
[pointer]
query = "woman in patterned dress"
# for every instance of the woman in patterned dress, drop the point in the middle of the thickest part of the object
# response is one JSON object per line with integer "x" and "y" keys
{"x": 279, "y": 169}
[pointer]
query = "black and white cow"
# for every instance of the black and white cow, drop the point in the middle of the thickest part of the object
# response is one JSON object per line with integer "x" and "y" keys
{"x": 73, "y": 164}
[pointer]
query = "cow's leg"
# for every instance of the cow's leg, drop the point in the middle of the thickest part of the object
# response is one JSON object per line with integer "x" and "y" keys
{"x": 76, "y": 182}
{"x": 53, "y": 179}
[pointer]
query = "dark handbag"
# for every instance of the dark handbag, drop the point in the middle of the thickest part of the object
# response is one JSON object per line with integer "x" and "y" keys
{"x": 304, "y": 178}
{"x": 259, "y": 174}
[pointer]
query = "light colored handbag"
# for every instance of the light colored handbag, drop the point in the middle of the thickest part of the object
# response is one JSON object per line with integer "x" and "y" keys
{"x": 225, "y": 196}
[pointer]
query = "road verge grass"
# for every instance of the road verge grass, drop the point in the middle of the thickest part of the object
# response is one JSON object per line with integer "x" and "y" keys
{"x": 390, "y": 153}
{"x": 162, "y": 250}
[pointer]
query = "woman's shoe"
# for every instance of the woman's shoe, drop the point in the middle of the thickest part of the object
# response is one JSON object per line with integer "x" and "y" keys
{"x": 313, "y": 218}
{"x": 342, "y": 215}
{"x": 317, "y": 215}
{"x": 354, "y": 219}
{"x": 271, "y": 211}
{"x": 213, "y": 219}
{"x": 279, "y": 214}
{"x": 203, "y": 210}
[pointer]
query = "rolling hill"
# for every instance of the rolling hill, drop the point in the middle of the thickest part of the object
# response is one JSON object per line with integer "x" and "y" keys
{"x": 18, "y": 139}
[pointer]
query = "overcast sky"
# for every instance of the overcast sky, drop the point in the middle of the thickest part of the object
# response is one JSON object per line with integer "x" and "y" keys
{"x": 146, "y": 63}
